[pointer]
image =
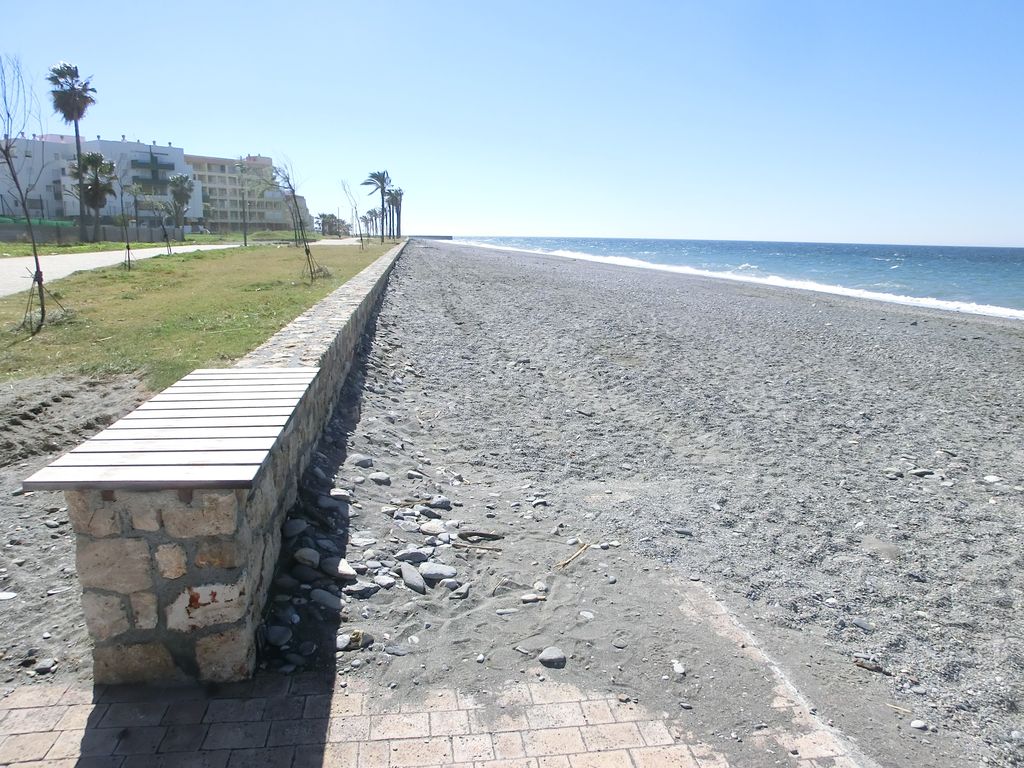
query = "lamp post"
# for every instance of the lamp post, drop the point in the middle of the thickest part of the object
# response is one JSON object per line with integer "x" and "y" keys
{"x": 245, "y": 205}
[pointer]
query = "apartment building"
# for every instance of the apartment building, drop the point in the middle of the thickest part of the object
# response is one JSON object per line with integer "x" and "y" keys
{"x": 143, "y": 176}
{"x": 242, "y": 191}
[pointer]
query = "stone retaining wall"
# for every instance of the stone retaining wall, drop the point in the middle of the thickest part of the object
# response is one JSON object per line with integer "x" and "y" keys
{"x": 174, "y": 581}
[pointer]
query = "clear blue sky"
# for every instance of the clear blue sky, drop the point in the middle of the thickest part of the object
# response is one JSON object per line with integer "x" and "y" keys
{"x": 896, "y": 122}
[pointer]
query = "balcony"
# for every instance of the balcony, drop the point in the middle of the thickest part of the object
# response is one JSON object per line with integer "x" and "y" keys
{"x": 152, "y": 165}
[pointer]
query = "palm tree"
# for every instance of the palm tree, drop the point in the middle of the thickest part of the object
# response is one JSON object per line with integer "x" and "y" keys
{"x": 95, "y": 176}
{"x": 72, "y": 96}
{"x": 395, "y": 201}
{"x": 380, "y": 181}
{"x": 181, "y": 186}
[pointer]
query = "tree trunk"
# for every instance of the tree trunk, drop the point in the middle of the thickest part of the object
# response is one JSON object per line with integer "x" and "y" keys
{"x": 383, "y": 207}
{"x": 398, "y": 216}
{"x": 81, "y": 186}
{"x": 96, "y": 226}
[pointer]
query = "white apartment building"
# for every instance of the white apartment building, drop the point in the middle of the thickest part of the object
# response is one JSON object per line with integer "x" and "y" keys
{"x": 241, "y": 192}
{"x": 143, "y": 174}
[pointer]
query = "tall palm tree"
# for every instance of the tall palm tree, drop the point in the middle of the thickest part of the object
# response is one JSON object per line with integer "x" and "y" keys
{"x": 95, "y": 176}
{"x": 181, "y": 186}
{"x": 380, "y": 181}
{"x": 72, "y": 96}
{"x": 395, "y": 199}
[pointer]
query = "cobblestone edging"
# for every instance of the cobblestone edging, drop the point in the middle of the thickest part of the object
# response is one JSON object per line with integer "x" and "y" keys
{"x": 174, "y": 581}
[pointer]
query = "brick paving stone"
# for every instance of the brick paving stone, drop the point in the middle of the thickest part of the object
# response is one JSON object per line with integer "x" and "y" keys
{"x": 677, "y": 756}
{"x": 32, "y": 720}
{"x": 508, "y": 745}
{"x": 627, "y": 712}
{"x": 310, "y": 682}
{"x": 240, "y": 689}
{"x": 435, "y": 750}
{"x": 236, "y": 735}
{"x": 654, "y": 732}
{"x": 435, "y": 701}
{"x": 515, "y": 695}
{"x": 183, "y": 738}
{"x": 342, "y": 755}
{"x": 597, "y": 711}
{"x": 133, "y": 714}
{"x": 33, "y": 696}
{"x": 554, "y": 693}
{"x": 318, "y": 705}
{"x": 86, "y": 743}
{"x": 81, "y": 695}
{"x": 373, "y": 754}
{"x": 284, "y": 708}
{"x": 399, "y": 726}
{"x": 292, "y": 732}
{"x": 449, "y": 723}
{"x": 271, "y": 757}
{"x": 140, "y": 741}
{"x": 69, "y": 763}
{"x": 476, "y": 747}
{"x": 553, "y": 761}
{"x": 520, "y": 762}
{"x": 26, "y": 746}
{"x": 79, "y": 716}
{"x": 343, "y": 703}
{"x": 482, "y": 721}
{"x": 234, "y": 710}
{"x": 217, "y": 759}
{"x": 553, "y": 741}
{"x": 468, "y": 701}
{"x": 355, "y": 728}
{"x": 611, "y": 736}
{"x": 707, "y": 757}
{"x": 266, "y": 686}
{"x": 96, "y": 761}
{"x": 562, "y": 715}
{"x": 184, "y": 713}
{"x": 617, "y": 759}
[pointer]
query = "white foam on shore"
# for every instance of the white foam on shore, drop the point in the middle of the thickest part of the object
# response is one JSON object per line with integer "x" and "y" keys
{"x": 773, "y": 281}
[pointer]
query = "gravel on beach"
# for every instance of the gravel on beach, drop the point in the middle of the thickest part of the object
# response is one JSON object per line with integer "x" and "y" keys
{"x": 847, "y": 477}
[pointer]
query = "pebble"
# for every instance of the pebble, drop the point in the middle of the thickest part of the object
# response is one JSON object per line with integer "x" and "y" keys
{"x": 307, "y": 556}
{"x": 552, "y": 657}
{"x": 293, "y": 527}
{"x": 8, "y": 595}
{"x": 587, "y": 615}
{"x": 278, "y": 636}
{"x": 362, "y": 589}
{"x": 506, "y": 611}
{"x": 338, "y": 568}
{"x": 480, "y": 659}
{"x": 412, "y": 578}
{"x": 361, "y": 541}
{"x": 45, "y": 666}
{"x": 864, "y": 624}
{"x": 440, "y": 502}
{"x": 437, "y": 571}
{"x": 460, "y": 594}
{"x": 919, "y": 725}
{"x": 531, "y": 597}
{"x": 326, "y": 599}
{"x": 432, "y": 528}
{"x": 360, "y": 460}
{"x": 412, "y": 556}
{"x": 396, "y": 650}
{"x": 380, "y": 478}
{"x": 384, "y": 581}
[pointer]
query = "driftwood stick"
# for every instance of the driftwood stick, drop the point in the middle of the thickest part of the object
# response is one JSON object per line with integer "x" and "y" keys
{"x": 583, "y": 548}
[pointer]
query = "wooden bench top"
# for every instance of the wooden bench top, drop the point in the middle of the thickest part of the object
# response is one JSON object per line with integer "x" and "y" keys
{"x": 212, "y": 429}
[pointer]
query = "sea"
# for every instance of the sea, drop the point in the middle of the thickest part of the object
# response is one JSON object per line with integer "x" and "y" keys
{"x": 984, "y": 281}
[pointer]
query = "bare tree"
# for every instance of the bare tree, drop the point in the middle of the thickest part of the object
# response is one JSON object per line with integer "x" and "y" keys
{"x": 285, "y": 176}
{"x": 18, "y": 107}
{"x": 355, "y": 211}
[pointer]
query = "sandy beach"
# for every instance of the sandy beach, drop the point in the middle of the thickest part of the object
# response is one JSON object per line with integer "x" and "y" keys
{"x": 844, "y": 477}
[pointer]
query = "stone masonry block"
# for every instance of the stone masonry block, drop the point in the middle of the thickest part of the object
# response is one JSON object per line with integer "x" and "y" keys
{"x": 207, "y": 605}
{"x": 227, "y": 656}
{"x": 145, "y": 518}
{"x": 138, "y": 663}
{"x": 170, "y": 561}
{"x": 219, "y": 553}
{"x": 118, "y": 565}
{"x": 210, "y": 514}
{"x": 144, "y": 608}
{"x": 90, "y": 516}
{"x": 105, "y": 615}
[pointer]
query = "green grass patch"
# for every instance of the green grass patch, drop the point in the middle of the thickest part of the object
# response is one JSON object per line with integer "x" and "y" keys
{"x": 171, "y": 314}
{"x": 281, "y": 235}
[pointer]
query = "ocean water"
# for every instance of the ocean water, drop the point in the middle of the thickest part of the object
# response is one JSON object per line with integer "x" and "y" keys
{"x": 986, "y": 281}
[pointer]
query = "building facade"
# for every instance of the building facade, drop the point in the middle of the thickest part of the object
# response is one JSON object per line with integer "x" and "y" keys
{"x": 242, "y": 192}
{"x": 142, "y": 185}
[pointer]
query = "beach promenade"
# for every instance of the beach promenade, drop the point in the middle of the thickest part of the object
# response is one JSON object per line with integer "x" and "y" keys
{"x": 16, "y": 272}
{"x": 761, "y": 527}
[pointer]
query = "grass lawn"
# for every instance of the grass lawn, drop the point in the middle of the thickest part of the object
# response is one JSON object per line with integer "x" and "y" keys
{"x": 10, "y": 250}
{"x": 171, "y": 314}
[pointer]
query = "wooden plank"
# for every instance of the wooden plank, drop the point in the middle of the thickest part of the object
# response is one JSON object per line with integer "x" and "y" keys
{"x": 171, "y": 434}
{"x": 252, "y": 371}
{"x": 189, "y": 423}
{"x": 159, "y": 459}
{"x": 203, "y": 413}
{"x": 289, "y": 389}
{"x": 174, "y": 397}
{"x": 254, "y": 381}
{"x": 241, "y": 402}
{"x": 180, "y": 444}
{"x": 140, "y": 478}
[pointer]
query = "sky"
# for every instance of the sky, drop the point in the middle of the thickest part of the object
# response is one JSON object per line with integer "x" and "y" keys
{"x": 824, "y": 120}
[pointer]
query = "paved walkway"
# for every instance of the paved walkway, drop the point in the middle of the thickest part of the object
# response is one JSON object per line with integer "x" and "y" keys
{"x": 16, "y": 273}
{"x": 308, "y": 721}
